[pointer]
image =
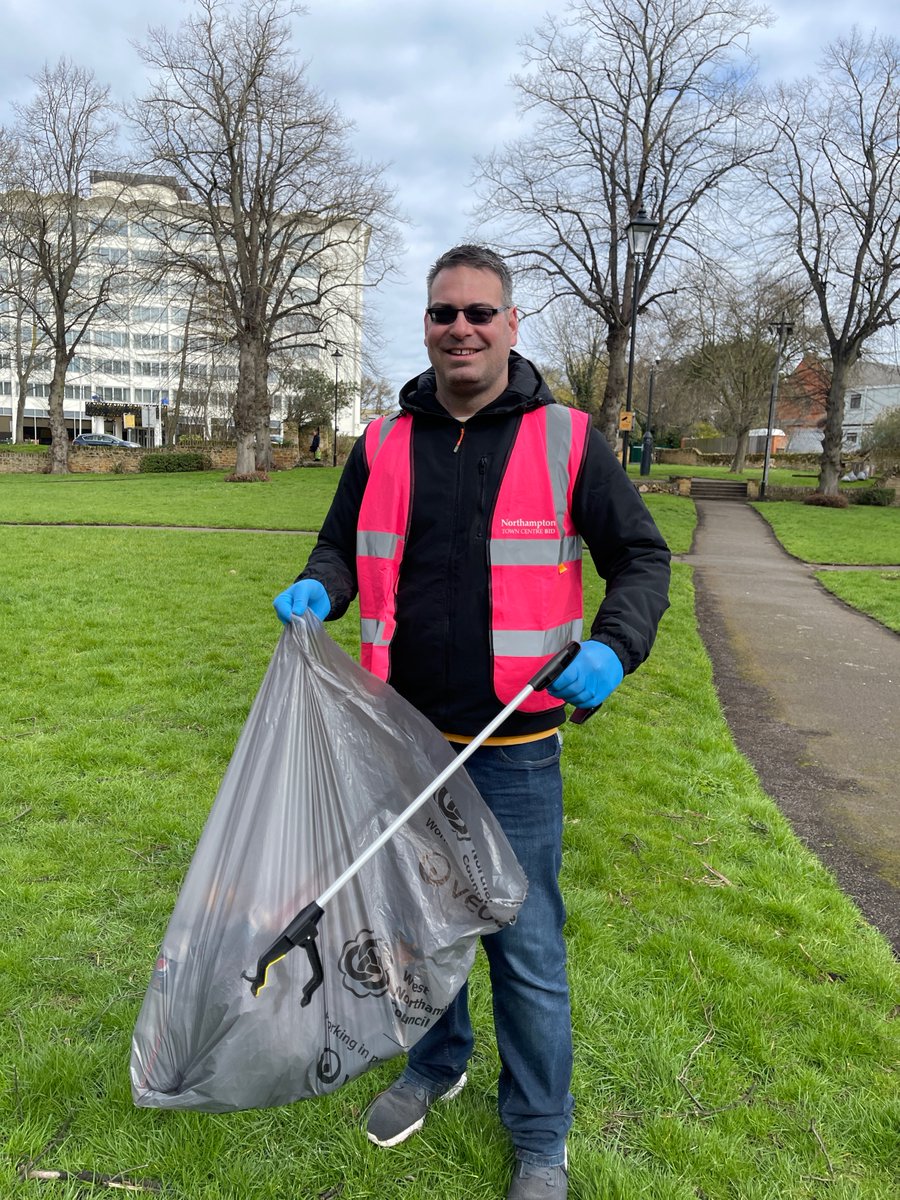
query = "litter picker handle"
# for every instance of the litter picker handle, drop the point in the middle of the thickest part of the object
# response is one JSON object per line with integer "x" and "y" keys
{"x": 578, "y": 716}
{"x": 555, "y": 667}
{"x": 557, "y": 664}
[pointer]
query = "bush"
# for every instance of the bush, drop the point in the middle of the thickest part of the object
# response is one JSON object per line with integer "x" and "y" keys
{"x": 883, "y": 497}
{"x": 176, "y": 460}
{"x": 823, "y": 501}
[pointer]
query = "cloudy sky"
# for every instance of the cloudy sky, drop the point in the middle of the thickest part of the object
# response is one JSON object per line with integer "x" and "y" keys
{"x": 426, "y": 85}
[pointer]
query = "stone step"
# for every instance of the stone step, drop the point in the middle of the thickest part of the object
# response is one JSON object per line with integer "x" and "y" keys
{"x": 718, "y": 489}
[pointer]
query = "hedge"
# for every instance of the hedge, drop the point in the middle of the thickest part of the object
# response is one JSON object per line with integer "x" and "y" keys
{"x": 182, "y": 460}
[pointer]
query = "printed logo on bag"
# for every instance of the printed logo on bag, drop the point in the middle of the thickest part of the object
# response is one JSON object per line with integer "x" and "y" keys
{"x": 362, "y": 966}
{"x": 328, "y": 1068}
{"x": 434, "y": 868}
{"x": 447, "y": 805}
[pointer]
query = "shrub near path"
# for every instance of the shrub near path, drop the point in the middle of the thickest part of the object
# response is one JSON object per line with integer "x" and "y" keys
{"x": 736, "y": 1021}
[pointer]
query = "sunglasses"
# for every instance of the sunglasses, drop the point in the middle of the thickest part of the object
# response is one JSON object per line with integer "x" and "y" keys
{"x": 475, "y": 314}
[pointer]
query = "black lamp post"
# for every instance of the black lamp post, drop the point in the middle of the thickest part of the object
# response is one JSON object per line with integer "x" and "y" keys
{"x": 647, "y": 447}
{"x": 337, "y": 356}
{"x": 783, "y": 329}
{"x": 640, "y": 229}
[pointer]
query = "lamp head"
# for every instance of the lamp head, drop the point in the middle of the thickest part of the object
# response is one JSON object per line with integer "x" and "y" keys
{"x": 640, "y": 229}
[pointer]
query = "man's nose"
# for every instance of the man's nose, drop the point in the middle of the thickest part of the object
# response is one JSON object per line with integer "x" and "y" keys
{"x": 460, "y": 326}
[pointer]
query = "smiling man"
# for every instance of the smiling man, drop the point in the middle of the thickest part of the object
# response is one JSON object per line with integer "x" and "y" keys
{"x": 470, "y": 357}
{"x": 459, "y": 522}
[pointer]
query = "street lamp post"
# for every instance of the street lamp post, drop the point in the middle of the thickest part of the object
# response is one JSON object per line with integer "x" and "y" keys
{"x": 783, "y": 328}
{"x": 337, "y": 356}
{"x": 640, "y": 229}
{"x": 647, "y": 447}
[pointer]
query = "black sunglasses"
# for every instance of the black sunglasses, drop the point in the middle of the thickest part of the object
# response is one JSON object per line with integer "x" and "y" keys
{"x": 475, "y": 314}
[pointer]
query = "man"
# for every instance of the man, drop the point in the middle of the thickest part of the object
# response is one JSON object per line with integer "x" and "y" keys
{"x": 458, "y": 521}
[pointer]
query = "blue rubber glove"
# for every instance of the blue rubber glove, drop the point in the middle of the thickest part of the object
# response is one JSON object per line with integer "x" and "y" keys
{"x": 295, "y": 600}
{"x": 594, "y": 674}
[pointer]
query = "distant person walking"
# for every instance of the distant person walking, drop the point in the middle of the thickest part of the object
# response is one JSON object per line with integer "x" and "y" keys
{"x": 314, "y": 447}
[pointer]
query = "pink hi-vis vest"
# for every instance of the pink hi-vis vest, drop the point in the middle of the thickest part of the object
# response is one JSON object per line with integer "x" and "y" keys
{"x": 534, "y": 550}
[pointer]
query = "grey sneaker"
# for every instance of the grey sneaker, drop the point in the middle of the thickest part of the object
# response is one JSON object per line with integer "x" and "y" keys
{"x": 530, "y": 1182}
{"x": 398, "y": 1113}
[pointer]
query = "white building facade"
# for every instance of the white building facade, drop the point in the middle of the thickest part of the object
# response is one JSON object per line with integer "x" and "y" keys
{"x": 141, "y": 359}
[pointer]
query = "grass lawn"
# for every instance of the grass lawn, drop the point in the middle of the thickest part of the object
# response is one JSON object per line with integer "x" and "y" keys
{"x": 778, "y": 476}
{"x": 291, "y": 500}
{"x": 874, "y": 592}
{"x": 858, "y": 535}
{"x": 736, "y": 1022}
{"x": 296, "y": 500}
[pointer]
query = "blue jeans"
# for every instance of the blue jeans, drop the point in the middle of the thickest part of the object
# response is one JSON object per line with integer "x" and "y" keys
{"x": 522, "y": 786}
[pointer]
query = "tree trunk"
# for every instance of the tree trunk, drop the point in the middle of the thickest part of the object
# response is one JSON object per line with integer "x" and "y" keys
{"x": 614, "y": 393}
{"x": 59, "y": 449}
{"x": 740, "y": 454}
{"x": 18, "y": 430}
{"x": 830, "y": 473}
{"x": 245, "y": 407}
{"x": 263, "y": 414}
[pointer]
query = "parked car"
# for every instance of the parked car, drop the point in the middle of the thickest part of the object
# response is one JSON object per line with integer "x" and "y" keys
{"x": 102, "y": 439}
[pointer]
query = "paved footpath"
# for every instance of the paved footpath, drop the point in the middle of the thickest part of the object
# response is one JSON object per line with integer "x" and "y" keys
{"x": 811, "y": 690}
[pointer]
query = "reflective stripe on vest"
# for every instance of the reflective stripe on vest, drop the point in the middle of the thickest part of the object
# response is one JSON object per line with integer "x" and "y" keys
{"x": 534, "y": 550}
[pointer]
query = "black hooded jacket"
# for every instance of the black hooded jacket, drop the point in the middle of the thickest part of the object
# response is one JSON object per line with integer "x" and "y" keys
{"x": 440, "y": 656}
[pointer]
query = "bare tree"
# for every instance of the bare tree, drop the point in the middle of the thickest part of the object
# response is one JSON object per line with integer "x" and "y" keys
{"x": 726, "y": 323}
{"x": 20, "y": 339}
{"x": 376, "y": 396}
{"x": 282, "y": 222}
{"x": 634, "y": 102}
{"x": 573, "y": 341}
{"x": 836, "y": 173}
{"x": 50, "y": 225}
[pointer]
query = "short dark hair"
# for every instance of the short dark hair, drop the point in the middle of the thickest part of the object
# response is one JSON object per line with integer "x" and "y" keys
{"x": 480, "y": 258}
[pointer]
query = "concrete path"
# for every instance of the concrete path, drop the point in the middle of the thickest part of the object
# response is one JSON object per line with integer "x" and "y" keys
{"x": 811, "y": 690}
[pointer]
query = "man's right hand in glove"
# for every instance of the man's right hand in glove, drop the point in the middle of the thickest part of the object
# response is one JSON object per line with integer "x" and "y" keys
{"x": 304, "y": 594}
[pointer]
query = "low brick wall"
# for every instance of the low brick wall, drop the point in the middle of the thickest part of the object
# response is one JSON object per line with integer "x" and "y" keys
{"x": 106, "y": 460}
{"x": 12, "y": 463}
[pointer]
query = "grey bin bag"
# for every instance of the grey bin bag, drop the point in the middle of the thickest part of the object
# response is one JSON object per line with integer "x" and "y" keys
{"x": 329, "y": 755}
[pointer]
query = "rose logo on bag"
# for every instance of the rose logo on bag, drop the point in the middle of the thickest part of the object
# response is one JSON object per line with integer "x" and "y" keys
{"x": 362, "y": 967}
{"x": 434, "y": 868}
{"x": 447, "y": 805}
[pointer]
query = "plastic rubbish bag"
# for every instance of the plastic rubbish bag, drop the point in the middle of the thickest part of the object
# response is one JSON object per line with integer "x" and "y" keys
{"x": 328, "y": 756}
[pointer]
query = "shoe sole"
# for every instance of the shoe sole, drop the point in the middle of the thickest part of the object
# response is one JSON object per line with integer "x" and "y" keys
{"x": 387, "y": 1143}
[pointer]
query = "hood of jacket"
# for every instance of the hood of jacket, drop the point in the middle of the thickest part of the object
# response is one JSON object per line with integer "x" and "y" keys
{"x": 526, "y": 390}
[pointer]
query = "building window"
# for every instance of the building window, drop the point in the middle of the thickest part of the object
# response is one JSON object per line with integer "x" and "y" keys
{"x": 855, "y": 400}
{"x": 851, "y": 439}
{"x": 121, "y": 395}
{"x": 151, "y": 341}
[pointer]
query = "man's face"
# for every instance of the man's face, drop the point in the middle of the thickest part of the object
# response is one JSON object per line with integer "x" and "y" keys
{"x": 470, "y": 361}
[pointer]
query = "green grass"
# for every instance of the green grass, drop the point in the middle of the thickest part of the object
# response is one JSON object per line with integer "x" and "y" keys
{"x": 734, "y": 1016}
{"x": 291, "y": 500}
{"x": 296, "y": 500}
{"x": 778, "y": 476}
{"x": 874, "y": 592}
{"x": 857, "y": 535}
